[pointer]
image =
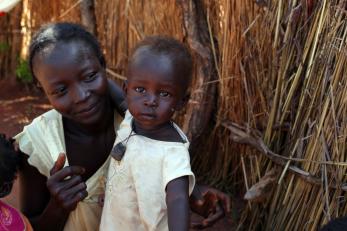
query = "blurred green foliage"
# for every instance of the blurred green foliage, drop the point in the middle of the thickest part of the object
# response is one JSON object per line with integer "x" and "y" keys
{"x": 23, "y": 71}
{"x": 4, "y": 46}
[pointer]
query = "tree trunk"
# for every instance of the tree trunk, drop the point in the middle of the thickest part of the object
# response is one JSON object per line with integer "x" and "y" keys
{"x": 203, "y": 95}
{"x": 88, "y": 16}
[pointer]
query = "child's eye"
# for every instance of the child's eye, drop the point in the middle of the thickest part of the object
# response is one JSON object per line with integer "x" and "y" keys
{"x": 140, "y": 90}
{"x": 90, "y": 77}
{"x": 164, "y": 94}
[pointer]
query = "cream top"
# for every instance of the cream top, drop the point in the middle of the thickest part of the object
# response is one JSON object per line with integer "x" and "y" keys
{"x": 42, "y": 141}
{"x": 135, "y": 189}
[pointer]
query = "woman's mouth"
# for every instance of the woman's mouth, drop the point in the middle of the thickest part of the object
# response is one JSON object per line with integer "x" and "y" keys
{"x": 87, "y": 111}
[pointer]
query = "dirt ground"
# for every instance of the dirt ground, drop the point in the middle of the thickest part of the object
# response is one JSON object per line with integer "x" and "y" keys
{"x": 19, "y": 105}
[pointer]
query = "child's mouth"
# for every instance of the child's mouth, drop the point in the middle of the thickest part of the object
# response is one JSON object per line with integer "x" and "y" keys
{"x": 147, "y": 116}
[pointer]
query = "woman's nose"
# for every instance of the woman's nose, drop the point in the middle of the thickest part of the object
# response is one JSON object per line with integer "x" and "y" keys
{"x": 80, "y": 94}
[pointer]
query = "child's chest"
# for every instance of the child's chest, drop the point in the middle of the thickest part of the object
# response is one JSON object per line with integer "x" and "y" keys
{"x": 139, "y": 176}
{"x": 141, "y": 163}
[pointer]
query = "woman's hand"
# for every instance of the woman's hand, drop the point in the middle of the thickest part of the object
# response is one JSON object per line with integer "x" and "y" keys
{"x": 117, "y": 97}
{"x": 66, "y": 193}
{"x": 209, "y": 203}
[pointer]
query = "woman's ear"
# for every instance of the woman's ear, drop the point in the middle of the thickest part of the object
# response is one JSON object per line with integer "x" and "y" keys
{"x": 37, "y": 83}
{"x": 183, "y": 102}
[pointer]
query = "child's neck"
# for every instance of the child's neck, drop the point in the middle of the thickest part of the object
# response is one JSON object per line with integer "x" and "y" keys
{"x": 164, "y": 132}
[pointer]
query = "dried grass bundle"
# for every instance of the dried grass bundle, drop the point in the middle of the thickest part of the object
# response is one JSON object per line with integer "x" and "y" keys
{"x": 300, "y": 89}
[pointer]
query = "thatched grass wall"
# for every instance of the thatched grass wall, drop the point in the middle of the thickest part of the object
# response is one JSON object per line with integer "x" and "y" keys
{"x": 10, "y": 41}
{"x": 279, "y": 127}
{"x": 306, "y": 122}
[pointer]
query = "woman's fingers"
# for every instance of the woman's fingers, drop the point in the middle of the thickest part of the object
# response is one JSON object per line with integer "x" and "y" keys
{"x": 67, "y": 171}
{"x": 215, "y": 204}
{"x": 226, "y": 202}
{"x": 213, "y": 217}
{"x": 68, "y": 198}
{"x": 59, "y": 163}
{"x": 210, "y": 220}
{"x": 71, "y": 204}
{"x": 71, "y": 192}
{"x": 220, "y": 196}
{"x": 67, "y": 184}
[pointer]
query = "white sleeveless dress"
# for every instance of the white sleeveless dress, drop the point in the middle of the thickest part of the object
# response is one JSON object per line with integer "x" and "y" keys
{"x": 43, "y": 140}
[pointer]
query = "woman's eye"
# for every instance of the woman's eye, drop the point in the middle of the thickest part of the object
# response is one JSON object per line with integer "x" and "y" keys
{"x": 164, "y": 94}
{"x": 59, "y": 91}
{"x": 90, "y": 77}
{"x": 140, "y": 90}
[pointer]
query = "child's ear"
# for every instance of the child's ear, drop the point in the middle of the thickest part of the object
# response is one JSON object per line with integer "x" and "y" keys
{"x": 125, "y": 86}
{"x": 183, "y": 102}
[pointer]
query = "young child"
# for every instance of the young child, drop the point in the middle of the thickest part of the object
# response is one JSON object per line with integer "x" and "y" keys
{"x": 150, "y": 179}
{"x": 10, "y": 218}
{"x": 338, "y": 224}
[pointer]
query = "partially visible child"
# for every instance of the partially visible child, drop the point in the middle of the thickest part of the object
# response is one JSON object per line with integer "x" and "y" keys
{"x": 338, "y": 224}
{"x": 10, "y": 218}
{"x": 150, "y": 178}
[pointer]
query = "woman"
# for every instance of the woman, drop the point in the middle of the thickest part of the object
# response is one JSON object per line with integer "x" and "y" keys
{"x": 63, "y": 191}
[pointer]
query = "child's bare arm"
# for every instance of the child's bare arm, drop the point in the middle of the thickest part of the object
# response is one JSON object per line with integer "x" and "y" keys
{"x": 177, "y": 201}
{"x": 117, "y": 96}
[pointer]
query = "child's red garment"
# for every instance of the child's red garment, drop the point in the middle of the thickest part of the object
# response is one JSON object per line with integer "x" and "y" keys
{"x": 12, "y": 220}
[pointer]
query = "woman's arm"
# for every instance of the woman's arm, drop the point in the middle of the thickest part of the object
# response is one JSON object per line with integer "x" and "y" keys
{"x": 48, "y": 202}
{"x": 35, "y": 200}
{"x": 117, "y": 97}
{"x": 177, "y": 201}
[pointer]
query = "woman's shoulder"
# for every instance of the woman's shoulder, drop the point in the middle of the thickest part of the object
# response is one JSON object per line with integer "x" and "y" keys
{"x": 42, "y": 140}
{"x": 51, "y": 115}
{"x": 43, "y": 123}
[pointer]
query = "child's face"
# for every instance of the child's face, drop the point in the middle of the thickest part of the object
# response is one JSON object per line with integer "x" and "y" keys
{"x": 73, "y": 80}
{"x": 153, "y": 94}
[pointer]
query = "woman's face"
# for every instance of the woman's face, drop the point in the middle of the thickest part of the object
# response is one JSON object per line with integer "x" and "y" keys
{"x": 73, "y": 80}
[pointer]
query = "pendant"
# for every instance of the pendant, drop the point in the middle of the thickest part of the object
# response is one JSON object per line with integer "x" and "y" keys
{"x": 118, "y": 151}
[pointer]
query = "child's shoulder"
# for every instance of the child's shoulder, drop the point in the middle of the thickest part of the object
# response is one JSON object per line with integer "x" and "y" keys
{"x": 12, "y": 219}
{"x": 174, "y": 134}
{"x": 170, "y": 133}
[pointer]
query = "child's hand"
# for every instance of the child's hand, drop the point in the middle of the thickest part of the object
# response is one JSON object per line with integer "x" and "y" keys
{"x": 66, "y": 192}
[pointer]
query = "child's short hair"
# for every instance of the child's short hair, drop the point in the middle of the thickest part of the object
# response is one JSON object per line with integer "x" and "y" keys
{"x": 9, "y": 162}
{"x": 177, "y": 52}
{"x": 63, "y": 32}
{"x": 338, "y": 224}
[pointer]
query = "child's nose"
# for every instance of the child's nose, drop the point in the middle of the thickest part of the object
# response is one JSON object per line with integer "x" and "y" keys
{"x": 151, "y": 101}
